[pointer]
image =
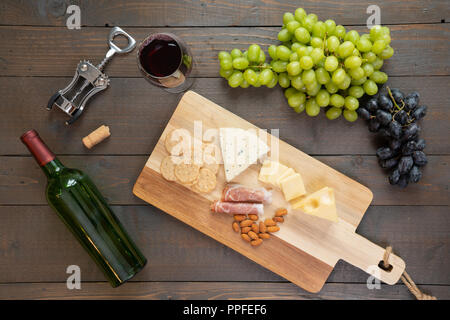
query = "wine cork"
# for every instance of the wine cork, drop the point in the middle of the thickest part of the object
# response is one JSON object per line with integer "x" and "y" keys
{"x": 96, "y": 136}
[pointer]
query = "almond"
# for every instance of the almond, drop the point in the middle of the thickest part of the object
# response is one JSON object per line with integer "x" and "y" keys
{"x": 281, "y": 212}
{"x": 262, "y": 227}
{"x": 273, "y": 228}
{"x": 270, "y": 223}
{"x": 256, "y": 242}
{"x": 253, "y": 235}
{"x": 255, "y": 228}
{"x": 235, "y": 226}
{"x": 246, "y": 237}
{"x": 246, "y": 223}
{"x": 278, "y": 219}
{"x": 253, "y": 217}
{"x": 239, "y": 217}
{"x": 246, "y": 229}
{"x": 264, "y": 235}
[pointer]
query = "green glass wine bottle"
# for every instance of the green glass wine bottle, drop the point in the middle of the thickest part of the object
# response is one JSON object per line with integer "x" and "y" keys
{"x": 85, "y": 212}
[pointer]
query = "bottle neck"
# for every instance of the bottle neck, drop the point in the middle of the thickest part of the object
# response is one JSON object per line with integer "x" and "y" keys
{"x": 53, "y": 168}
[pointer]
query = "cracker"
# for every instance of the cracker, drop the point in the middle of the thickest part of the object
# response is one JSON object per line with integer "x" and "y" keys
{"x": 177, "y": 141}
{"x": 186, "y": 172}
{"x": 207, "y": 181}
{"x": 167, "y": 168}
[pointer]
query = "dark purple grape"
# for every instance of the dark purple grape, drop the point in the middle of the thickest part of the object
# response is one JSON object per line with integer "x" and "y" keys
{"x": 397, "y": 95}
{"x": 384, "y": 133}
{"x": 420, "y": 159}
{"x": 383, "y": 117}
{"x": 401, "y": 117}
{"x": 411, "y": 132}
{"x": 388, "y": 163}
{"x": 395, "y": 144}
{"x": 374, "y": 125}
{"x": 411, "y": 102}
{"x": 363, "y": 113}
{"x": 415, "y": 94}
{"x": 403, "y": 181}
{"x": 385, "y": 102}
{"x": 395, "y": 129}
{"x": 420, "y": 144}
{"x": 415, "y": 174}
{"x": 394, "y": 177}
{"x": 420, "y": 112}
{"x": 408, "y": 148}
{"x": 384, "y": 153}
{"x": 405, "y": 164}
{"x": 372, "y": 106}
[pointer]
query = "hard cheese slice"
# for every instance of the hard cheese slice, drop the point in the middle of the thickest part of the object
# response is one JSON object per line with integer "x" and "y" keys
{"x": 292, "y": 186}
{"x": 240, "y": 149}
{"x": 289, "y": 172}
{"x": 271, "y": 171}
{"x": 320, "y": 204}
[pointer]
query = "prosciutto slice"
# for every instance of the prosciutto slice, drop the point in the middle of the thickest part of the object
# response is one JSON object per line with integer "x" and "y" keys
{"x": 239, "y": 193}
{"x": 237, "y": 208}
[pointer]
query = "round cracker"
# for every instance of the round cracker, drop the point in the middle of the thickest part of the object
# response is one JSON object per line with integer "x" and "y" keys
{"x": 170, "y": 142}
{"x": 167, "y": 168}
{"x": 186, "y": 172}
{"x": 207, "y": 181}
{"x": 214, "y": 167}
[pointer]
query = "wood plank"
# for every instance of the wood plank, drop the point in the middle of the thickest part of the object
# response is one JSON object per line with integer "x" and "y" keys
{"x": 23, "y": 183}
{"x": 50, "y": 51}
{"x": 176, "y": 252}
{"x": 213, "y": 13}
{"x": 136, "y": 113}
{"x": 210, "y": 291}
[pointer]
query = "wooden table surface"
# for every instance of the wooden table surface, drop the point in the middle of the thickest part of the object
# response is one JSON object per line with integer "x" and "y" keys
{"x": 38, "y": 55}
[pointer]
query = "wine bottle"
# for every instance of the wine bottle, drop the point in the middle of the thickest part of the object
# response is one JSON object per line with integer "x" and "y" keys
{"x": 85, "y": 212}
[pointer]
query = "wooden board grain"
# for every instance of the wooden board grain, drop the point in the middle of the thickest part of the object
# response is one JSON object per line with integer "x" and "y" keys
{"x": 313, "y": 245}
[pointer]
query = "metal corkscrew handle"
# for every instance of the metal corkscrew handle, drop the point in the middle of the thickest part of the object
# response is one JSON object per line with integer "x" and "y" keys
{"x": 113, "y": 48}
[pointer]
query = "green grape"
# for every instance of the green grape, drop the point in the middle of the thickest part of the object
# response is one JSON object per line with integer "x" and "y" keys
{"x": 289, "y": 92}
{"x": 283, "y": 53}
{"x": 345, "y": 83}
{"x": 338, "y": 76}
{"x": 316, "y": 42}
{"x": 279, "y": 66}
{"x": 284, "y": 35}
{"x": 223, "y": 55}
{"x": 356, "y": 91}
{"x": 378, "y": 77}
{"x": 251, "y": 76}
{"x": 378, "y": 46}
{"x": 352, "y": 36}
{"x": 368, "y": 69}
{"x": 295, "y": 46}
{"x": 352, "y": 62}
{"x": 310, "y": 49}
{"x": 292, "y": 26}
{"x": 257, "y": 83}
{"x": 319, "y": 30}
{"x": 350, "y": 115}
{"x": 308, "y": 23}
{"x": 265, "y": 76}
{"x": 244, "y": 84}
{"x": 302, "y": 35}
{"x": 355, "y": 52}
{"x": 323, "y": 98}
{"x": 294, "y": 57}
{"x": 253, "y": 53}
{"x": 299, "y": 14}
{"x": 351, "y": 103}
{"x": 365, "y": 36}
{"x": 346, "y": 49}
{"x": 312, "y": 108}
{"x": 364, "y": 45}
{"x": 272, "y": 82}
{"x": 386, "y": 38}
{"x": 226, "y": 64}
{"x": 357, "y": 73}
{"x": 377, "y": 64}
{"x": 302, "y": 51}
{"x": 387, "y": 53}
{"x": 336, "y": 100}
{"x": 287, "y": 17}
{"x": 293, "y": 68}
{"x": 321, "y": 63}
{"x": 225, "y": 73}
{"x": 297, "y": 82}
{"x": 333, "y": 43}
{"x": 333, "y": 113}
{"x": 235, "y": 79}
{"x": 308, "y": 77}
{"x": 313, "y": 16}
{"x": 322, "y": 76}
{"x": 370, "y": 87}
{"x": 236, "y": 53}
{"x": 313, "y": 89}
{"x": 240, "y": 63}
{"x": 317, "y": 55}
{"x": 331, "y": 63}
{"x": 262, "y": 57}
{"x": 300, "y": 108}
{"x": 283, "y": 80}
{"x": 339, "y": 31}
{"x": 331, "y": 87}
{"x": 330, "y": 25}
{"x": 370, "y": 56}
{"x": 296, "y": 99}
{"x": 358, "y": 82}
{"x": 273, "y": 52}
{"x": 376, "y": 32}
{"x": 385, "y": 30}
{"x": 306, "y": 62}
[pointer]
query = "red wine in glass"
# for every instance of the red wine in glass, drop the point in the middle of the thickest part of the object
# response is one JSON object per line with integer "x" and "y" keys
{"x": 164, "y": 60}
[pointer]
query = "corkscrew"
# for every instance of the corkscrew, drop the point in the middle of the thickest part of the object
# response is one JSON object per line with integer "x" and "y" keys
{"x": 88, "y": 80}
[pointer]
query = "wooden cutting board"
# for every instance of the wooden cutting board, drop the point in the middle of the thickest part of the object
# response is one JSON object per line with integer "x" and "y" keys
{"x": 306, "y": 248}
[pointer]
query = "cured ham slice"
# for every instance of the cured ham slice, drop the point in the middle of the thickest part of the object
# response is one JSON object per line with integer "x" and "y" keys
{"x": 237, "y": 208}
{"x": 239, "y": 193}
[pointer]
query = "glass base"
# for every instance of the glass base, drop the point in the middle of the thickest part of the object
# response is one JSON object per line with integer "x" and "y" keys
{"x": 181, "y": 88}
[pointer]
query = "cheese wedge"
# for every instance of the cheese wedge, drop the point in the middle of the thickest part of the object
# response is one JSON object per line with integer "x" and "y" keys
{"x": 240, "y": 149}
{"x": 272, "y": 171}
{"x": 289, "y": 172}
{"x": 292, "y": 186}
{"x": 320, "y": 204}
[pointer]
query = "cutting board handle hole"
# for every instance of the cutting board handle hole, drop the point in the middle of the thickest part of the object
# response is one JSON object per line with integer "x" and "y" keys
{"x": 381, "y": 266}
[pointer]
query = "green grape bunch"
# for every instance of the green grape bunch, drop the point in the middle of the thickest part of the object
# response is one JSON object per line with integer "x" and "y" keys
{"x": 318, "y": 63}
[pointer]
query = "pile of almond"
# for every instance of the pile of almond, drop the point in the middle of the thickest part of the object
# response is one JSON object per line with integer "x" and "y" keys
{"x": 253, "y": 231}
